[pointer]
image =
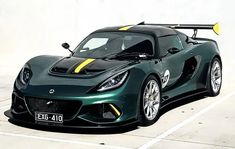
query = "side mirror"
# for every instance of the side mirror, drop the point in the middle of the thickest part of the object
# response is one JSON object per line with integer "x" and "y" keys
{"x": 65, "y": 45}
{"x": 173, "y": 50}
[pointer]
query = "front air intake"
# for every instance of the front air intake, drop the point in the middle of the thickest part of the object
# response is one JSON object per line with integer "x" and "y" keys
{"x": 69, "y": 108}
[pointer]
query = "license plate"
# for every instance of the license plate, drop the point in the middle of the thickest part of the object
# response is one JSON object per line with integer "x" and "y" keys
{"x": 49, "y": 117}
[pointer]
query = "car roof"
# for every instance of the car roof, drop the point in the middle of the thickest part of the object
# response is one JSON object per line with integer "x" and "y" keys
{"x": 158, "y": 31}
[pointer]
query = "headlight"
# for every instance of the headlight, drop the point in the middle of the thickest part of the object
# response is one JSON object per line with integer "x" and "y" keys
{"x": 113, "y": 82}
{"x": 25, "y": 74}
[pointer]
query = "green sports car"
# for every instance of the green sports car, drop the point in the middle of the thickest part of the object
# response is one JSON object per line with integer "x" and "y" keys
{"x": 117, "y": 76}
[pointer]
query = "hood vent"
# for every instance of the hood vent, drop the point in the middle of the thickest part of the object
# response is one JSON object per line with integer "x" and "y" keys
{"x": 64, "y": 65}
{"x": 67, "y": 66}
{"x": 91, "y": 71}
{"x": 59, "y": 70}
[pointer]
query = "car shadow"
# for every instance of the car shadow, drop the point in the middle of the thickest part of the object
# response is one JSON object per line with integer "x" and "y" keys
{"x": 117, "y": 130}
{"x": 177, "y": 103}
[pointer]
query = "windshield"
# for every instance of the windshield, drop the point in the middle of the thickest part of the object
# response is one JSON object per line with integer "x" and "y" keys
{"x": 102, "y": 45}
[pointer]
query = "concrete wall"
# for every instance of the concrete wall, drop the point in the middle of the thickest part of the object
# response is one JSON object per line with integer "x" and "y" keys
{"x": 32, "y": 27}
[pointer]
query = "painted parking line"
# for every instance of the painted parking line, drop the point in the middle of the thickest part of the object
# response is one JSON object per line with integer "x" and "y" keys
{"x": 183, "y": 123}
{"x": 2, "y": 100}
{"x": 61, "y": 140}
{"x": 3, "y": 107}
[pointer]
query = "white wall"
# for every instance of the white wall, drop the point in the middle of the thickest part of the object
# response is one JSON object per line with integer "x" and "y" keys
{"x": 32, "y": 27}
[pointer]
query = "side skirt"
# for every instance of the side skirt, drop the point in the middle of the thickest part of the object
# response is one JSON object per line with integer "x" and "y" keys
{"x": 172, "y": 100}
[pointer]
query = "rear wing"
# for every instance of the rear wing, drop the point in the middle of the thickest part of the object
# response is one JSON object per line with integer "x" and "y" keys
{"x": 194, "y": 27}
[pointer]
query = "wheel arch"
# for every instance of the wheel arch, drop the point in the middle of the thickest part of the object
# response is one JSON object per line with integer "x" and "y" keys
{"x": 208, "y": 70}
{"x": 157, "y": 77}
{"x": 215, "y": 56}
{"x": 218, "y": 56}
{"x": 140, "y": 93}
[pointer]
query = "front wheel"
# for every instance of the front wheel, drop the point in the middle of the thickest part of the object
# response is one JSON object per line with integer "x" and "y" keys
{"x": 150, "y": 101}
{"x": 214, "y": 78}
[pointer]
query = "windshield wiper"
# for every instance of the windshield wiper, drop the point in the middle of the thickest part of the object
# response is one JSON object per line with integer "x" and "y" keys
{"x": 110, "y": 55}
{"x": 127, "y": 54}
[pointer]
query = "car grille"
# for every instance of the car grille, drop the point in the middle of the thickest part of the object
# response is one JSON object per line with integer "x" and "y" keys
{"x": 68, "y": 108}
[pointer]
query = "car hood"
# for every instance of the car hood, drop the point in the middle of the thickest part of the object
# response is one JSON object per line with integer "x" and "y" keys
{"x": 74, "y": 66}
{"x": 67, "y": 83}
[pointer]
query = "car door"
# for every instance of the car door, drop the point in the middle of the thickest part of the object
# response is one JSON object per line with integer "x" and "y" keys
{"x": 170, "y": 53}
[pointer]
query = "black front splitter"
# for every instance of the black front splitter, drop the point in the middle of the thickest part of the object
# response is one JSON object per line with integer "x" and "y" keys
{"x": 24, "y": 121}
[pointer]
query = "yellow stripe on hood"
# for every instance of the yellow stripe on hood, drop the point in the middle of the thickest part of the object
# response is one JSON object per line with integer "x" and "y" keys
{"x": 83, "y": 64}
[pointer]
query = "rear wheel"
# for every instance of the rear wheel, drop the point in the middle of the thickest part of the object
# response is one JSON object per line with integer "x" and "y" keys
{"x": 150, "y": 101}
{"x": 214, "y": 78}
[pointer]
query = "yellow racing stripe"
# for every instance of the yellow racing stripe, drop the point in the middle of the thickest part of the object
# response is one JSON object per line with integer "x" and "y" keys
{"x": 83, "y": 64}
{"x": 125, "y": 28}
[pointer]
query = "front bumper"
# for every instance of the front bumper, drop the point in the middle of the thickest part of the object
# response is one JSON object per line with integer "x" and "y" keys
{"x": 77, "y": 113}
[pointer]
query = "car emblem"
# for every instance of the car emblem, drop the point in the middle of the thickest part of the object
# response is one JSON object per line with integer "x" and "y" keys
{"x": 49, "y": 103}
{"x": 51, "y": 91}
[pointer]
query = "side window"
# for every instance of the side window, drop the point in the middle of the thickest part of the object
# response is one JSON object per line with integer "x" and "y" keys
{"x": 183, "y": 39}
{"x": 168, "y": 42}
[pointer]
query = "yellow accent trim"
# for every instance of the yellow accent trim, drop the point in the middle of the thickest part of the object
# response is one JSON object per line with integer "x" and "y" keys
{"x": 115, "y": 109}
{"x": 125, "y": 28}
{"x": 216, "y": 28}
{"x": 83, "y": 64}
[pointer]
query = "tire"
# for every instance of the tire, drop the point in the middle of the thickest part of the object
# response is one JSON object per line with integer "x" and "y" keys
{"x": 150, "y": 102}
{"x": 214, "y": 78}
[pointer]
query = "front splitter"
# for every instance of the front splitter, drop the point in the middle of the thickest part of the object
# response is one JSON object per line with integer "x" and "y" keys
{"x": 30, "y": 123}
